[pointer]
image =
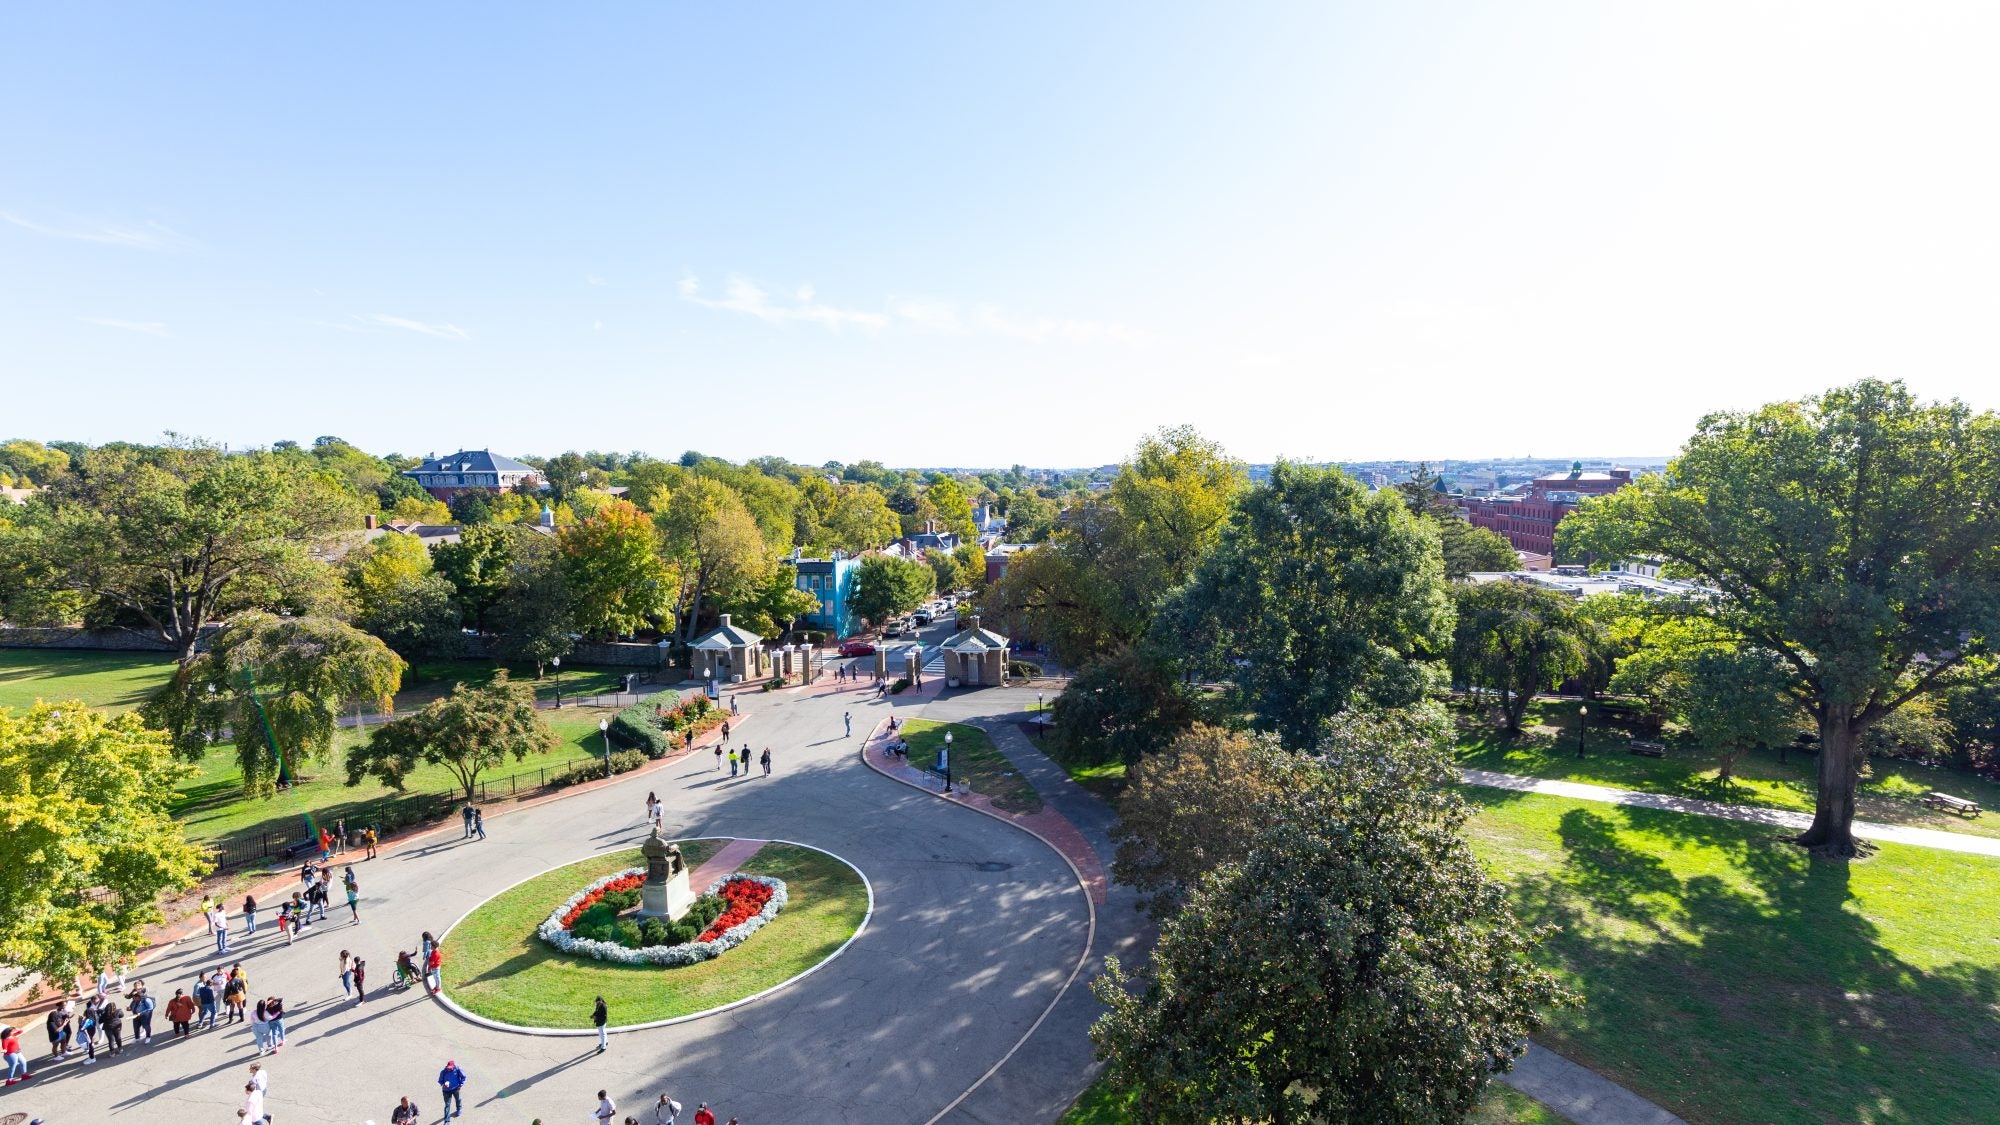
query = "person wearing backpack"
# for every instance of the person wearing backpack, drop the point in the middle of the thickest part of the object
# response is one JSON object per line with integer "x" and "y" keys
{"x": 666, "y": 1111}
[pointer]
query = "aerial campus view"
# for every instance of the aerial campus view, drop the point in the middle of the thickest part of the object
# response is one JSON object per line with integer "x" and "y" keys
{"x": 1085, "y": 563}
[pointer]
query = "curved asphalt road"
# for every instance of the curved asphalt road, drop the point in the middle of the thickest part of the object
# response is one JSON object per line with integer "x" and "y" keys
{"x": 976, "y": 927}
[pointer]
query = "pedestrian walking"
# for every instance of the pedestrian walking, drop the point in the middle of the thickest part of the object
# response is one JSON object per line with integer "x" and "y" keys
{"x": 180, "y": 1013}
{"x": 10, "y": 1050}
{"x": 325, "y": 845}
{"x": 253, "y": 1104}
{"x": 599, "y": 1016}
{"x": 434, "y": 968}
{"x": 59, "y": 1030}
{"x": 274, "y": 1006}
{"x": 346, "y": 973}
{"x": 405, "y": 1113}
{"x": 354, "y": 903}
{"x": 848, "y": 718}
{"x": 606, "y": 1108}
{"x": 140, "y": 1004}
{"x": 765, "y": 760}
{"x": 732, "y": 706}
{"x": 235, "y": 994}
{"x": 452, "y": 1081}
{"x": 360, "y": 980}
{"x": 205, "y": 999}
{"x": 112, "y": 1018}
{"x": 260, "y": 1026}
{"x": 219, "y": 923}
{"x": 467, "y": 814}
{"x": 340, "y": 835}
{"x": 368, "y": 839}
{"x": 732, "y": 763}
{"x": 718, "y": 755}
{"x": 725, "y": 730}
{"x": 652, "y": 803}
{"x": 704, "y": 1115}
{"x": 86, "y": 1032}
{"x": 665, "y": 1111}
{"x": 285, "y": 922}
{"x": 249, "y": 915}
{"x": 319, "y": 897}
{"x": 261, "y": 1082}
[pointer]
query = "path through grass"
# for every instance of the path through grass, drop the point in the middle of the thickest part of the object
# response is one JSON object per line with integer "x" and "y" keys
{"x": 497, "y": 967}
{"x": 975, "y": 761}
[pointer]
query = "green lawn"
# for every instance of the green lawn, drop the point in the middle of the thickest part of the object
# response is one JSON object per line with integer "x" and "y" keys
{"x": 115, "y": 681}
{"x": 1730, "y": 979}
{"x": 212, "y": 804}
{"x": 1890, "y": 794}
{"x": 1102, "y": 1104}
{"x": 974, "y": 761}
{"x": 497, "y": 967}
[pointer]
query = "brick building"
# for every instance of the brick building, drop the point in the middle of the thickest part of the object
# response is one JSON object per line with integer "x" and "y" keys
{"x": 1528, "y": 519}
{"x": 471, "y": 470}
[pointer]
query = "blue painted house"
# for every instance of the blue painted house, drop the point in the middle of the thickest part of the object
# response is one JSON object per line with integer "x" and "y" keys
{"x": 832, "y": 582}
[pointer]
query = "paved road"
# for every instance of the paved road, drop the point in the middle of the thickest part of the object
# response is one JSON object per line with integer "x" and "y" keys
{"x": 977, "y": 926}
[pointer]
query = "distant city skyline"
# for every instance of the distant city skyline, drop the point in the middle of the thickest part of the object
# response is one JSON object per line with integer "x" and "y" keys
{"x": 928, "y": 234}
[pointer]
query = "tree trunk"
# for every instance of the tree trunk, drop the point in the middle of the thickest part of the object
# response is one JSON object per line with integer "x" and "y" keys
{"x": 1832, "y": 831}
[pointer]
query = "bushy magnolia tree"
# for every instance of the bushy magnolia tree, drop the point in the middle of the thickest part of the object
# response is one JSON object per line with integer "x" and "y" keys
{"x": 1355, "y": 964}
{"x": 1515, "y": 640}
{"x": 468, "y": 732}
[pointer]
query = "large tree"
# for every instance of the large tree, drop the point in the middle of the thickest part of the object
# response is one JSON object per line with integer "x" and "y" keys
{"x": 885, "y": 586}
{"x": 714, "y": 546}
{"x": 1516, "y": 639}
{"x": 615, "y": 571}
{"x": 534, "y": 615}
{"x": 175, "y": 538}
{"x": 1348, "y": 960}
{"x": 1319, "y": 595}
{"x": 280, "y": 684}
{"x": 1856, "y": 534}
{"x": 1190, "y": 805}
{"x": 468, "y": 732}
{"x": 859, "y": 520}
{"x": 1120, "y": 709}
{"x": 401, "y": 599}
{"x": 86, "y": 843}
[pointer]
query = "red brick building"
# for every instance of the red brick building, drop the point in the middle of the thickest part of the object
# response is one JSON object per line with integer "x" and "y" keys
{"x": 1528, "y": 520}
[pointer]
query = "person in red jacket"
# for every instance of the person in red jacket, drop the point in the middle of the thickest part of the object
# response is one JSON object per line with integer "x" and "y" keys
{"x": 180, "y": 1012}
{"x": 10, "y": 1049}
{"x": 432, "y": 980}
{"x": 704, "y": 1115}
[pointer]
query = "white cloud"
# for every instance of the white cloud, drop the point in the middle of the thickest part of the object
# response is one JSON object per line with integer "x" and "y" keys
{"x": 152, "y": 236}
{"x": 742, "y": 295}
{"x": 149, "y": 327}
{"x": 597, "y": 326}
{"x": 592, "y": 279}
{"x": 441, "y": 331}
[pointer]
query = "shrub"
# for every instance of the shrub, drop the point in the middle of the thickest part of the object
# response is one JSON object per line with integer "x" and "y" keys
{"x": 902, "y": 684}
{"x": 774, "y": 683}
{"x": 638, "y": 727}
{"x": 654, "y": 932}
{"x": 622, "y": 761}
{"x": 620, "y": 901}
{"x": 1023, "y": 670}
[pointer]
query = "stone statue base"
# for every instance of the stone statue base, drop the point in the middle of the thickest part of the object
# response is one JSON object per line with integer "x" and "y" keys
{"x": 668, "y": 900}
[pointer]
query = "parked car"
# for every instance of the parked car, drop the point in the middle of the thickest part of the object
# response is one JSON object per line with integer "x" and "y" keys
{"x": 857, "y": 648}
{"x": 921, "y": 617}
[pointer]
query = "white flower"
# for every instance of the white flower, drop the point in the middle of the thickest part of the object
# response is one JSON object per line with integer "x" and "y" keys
{"x": 687, "y": 953}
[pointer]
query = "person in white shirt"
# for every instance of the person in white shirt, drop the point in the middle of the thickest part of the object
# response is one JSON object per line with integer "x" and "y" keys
{"x": 665, "y": 1112}
{"x": 253, "y": 1104}
{"x": 606, "y": 1108}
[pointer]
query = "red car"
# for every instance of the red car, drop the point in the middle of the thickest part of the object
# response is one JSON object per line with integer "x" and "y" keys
{"x": 857, "y": 648}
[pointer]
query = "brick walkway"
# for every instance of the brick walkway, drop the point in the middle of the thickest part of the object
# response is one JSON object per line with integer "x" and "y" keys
{"x": 1048, "y": 824}
{"x": 724, "y": 862}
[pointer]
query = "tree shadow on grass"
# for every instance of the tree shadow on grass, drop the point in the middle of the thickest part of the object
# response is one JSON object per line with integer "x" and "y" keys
{"x": 1771, "y": 1001}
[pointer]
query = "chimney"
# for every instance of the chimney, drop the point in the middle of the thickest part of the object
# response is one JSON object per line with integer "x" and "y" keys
{"x": 725, "y": 622}
{"x": 368, "y": 521}
{"x": 975, "y": 623}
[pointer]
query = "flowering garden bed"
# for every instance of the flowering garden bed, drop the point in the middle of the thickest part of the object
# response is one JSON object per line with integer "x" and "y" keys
{"x": 502, "y": 969}
{"x": 588, "y": 925}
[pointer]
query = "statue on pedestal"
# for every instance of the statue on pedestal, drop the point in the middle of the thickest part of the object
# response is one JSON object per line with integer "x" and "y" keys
{"x": 666, "y": 893}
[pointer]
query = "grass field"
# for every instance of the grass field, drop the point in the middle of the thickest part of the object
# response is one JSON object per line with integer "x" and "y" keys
{"x": 497, "y": 967}
{"x": 1890, "y": 794}
{"x": 115, "y": 681}
{"x": 1101, "y": 1104}
{"x": 212, "y": 805}
{"x": 975, "y": 761}
{"x": 1730, "y": 979}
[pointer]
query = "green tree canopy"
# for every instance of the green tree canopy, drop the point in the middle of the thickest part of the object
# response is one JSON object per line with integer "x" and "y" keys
{"x": 1856, "y": 534}
{"x": 859, "y": 520}
{"x": 177, "y": 537}
{"x": 280, "y": 684}
{"x": 617, "y": 579}
{"x": 1516, "y": 639}
{"x": 713, "y": 545}
{"x": 886, "y": 586}
{"x": 1120, "y": 709}
{"x": 475, "y": 728}
{"x": 86, "y": 843}
{"x": 1354, "y": 963}
{"x": 1319, "y": 595}
{"x": 1191, "y": 804}
{"x": 534, "y": 615}
{"x": 399, "y": 598}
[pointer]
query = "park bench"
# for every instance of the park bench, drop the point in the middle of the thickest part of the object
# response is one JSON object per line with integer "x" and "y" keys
{"x": 297, "y": 847}
{"x": 1949, "y": 803}
{"x": 1646, "y": 749}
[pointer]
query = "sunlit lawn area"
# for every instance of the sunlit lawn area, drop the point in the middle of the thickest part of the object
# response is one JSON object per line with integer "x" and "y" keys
{"x": 1890, "y": 794}
{"x": 116, "y": 681}
{"x": 497, "y": 967}
{"x": 213, "y": 806}
{"x": 1730, "y": 979}
{"x": 973, "y": 760}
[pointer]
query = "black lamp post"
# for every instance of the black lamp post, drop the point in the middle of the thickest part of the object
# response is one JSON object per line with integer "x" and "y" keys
{"x": 604, "y": 728}
{"x": 944, "y": 761}
{"x": 1582, "y": 726}
{"x": 556, "y": 663}
{"x": 1041, "y": 716}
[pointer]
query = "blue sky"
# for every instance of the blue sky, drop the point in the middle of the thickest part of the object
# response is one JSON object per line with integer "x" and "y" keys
{"x": 983, "y": 234}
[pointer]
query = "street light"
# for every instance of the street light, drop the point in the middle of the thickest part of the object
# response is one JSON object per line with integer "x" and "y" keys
{"x": 1041, "y": 716}
{"x": 604, "y": 728}
{"x": 944, "y": 761}
{"x": 1582, "y": 724}
{"x": 556, "y": 662}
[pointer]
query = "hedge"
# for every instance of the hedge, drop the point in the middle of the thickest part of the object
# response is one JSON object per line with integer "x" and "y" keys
{"x": 660, "y": 724}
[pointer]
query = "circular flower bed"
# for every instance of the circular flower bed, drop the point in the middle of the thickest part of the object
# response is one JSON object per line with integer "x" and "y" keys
{"x": 749, "y": 901}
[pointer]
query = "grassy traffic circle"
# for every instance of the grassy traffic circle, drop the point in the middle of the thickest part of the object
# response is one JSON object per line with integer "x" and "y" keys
{"x": 497, "y": 968}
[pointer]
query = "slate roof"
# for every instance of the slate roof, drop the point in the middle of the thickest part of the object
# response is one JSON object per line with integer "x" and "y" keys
{"x": 974, "y": 640}
{"x": 726, "y": 635}
{"x": 474, "y": 461}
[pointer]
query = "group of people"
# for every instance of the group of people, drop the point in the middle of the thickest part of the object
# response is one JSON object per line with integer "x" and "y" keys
{"x": 740, "y": 759}
{"x": 475, "y": 821}
{"x": 666, "y": 1111}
